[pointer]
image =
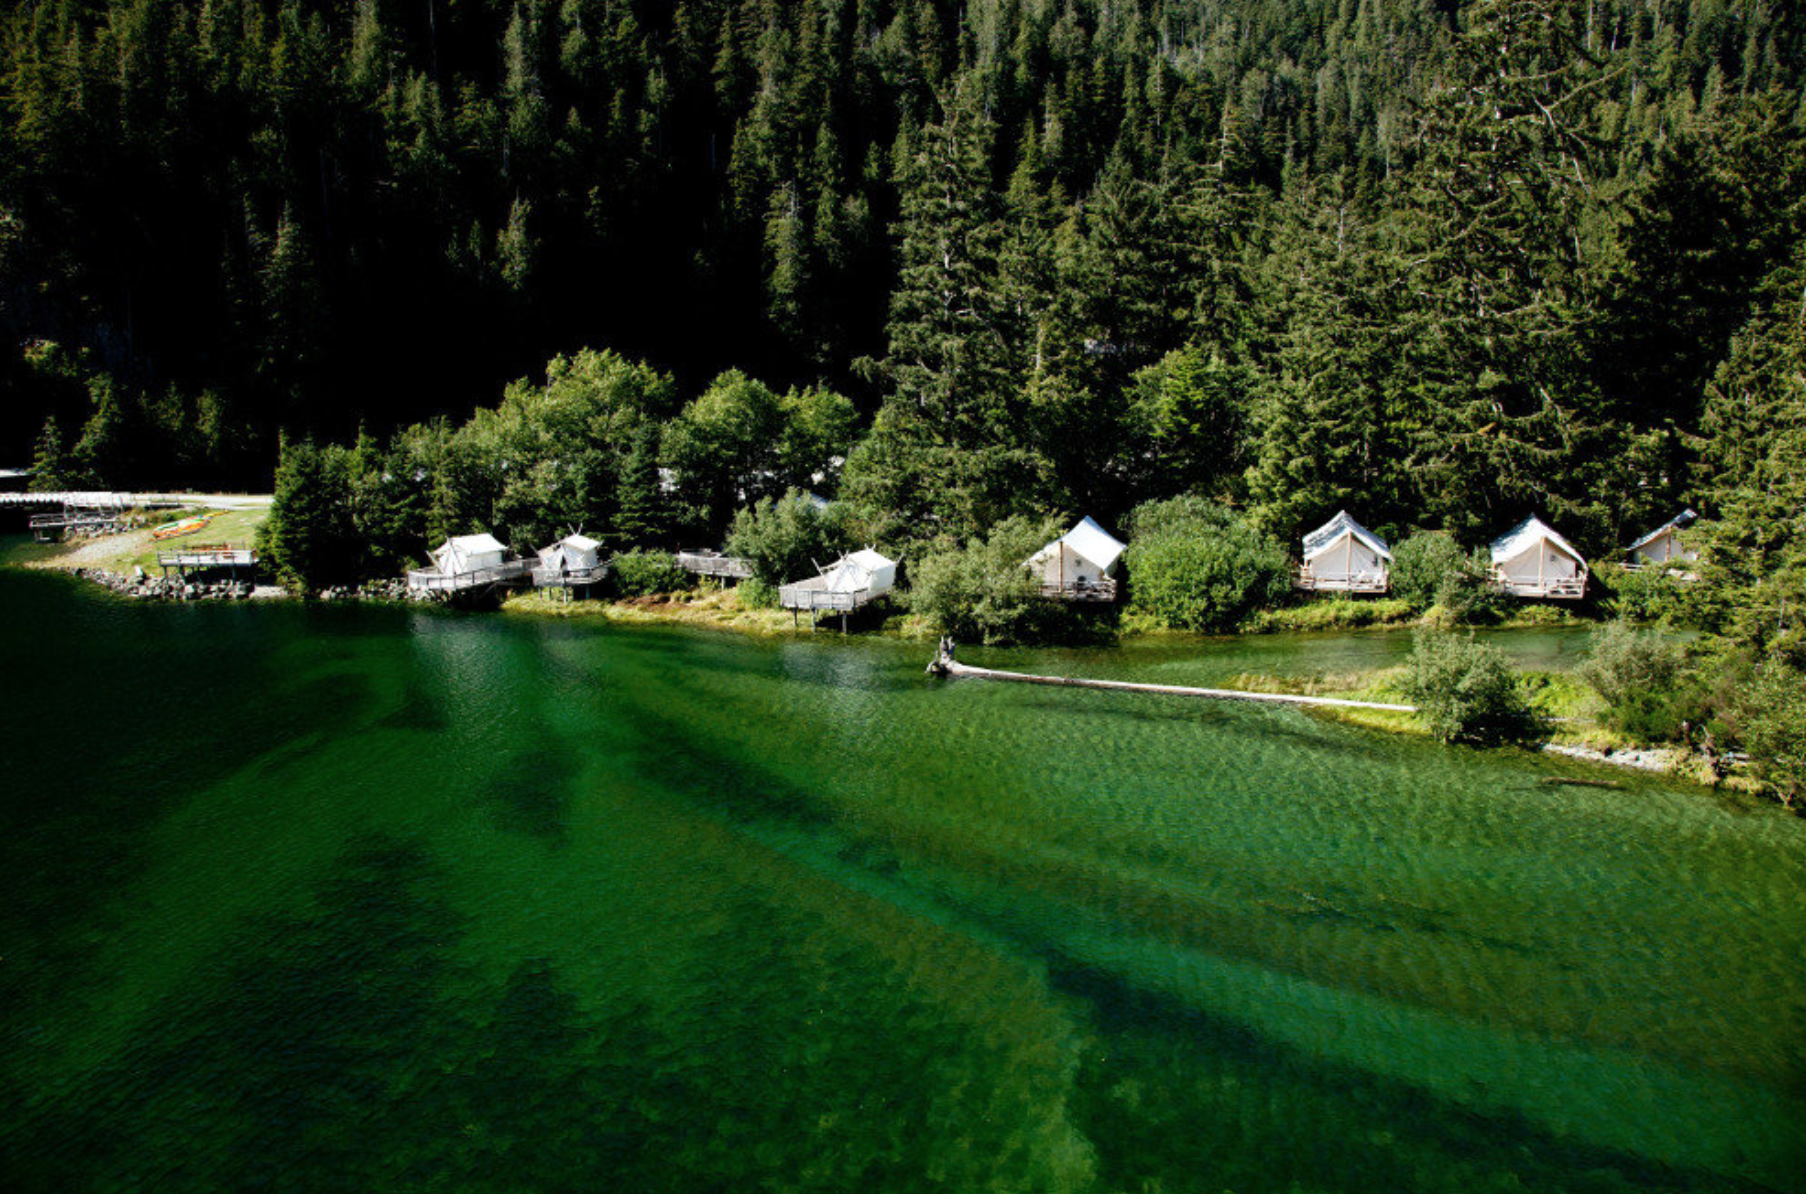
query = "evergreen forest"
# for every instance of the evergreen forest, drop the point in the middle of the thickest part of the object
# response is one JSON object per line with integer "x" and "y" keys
{"x": 1442, "y": 262}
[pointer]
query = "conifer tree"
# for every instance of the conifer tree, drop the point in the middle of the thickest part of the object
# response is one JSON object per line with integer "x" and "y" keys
{"x": 641, "y": 519}
{"x": 47, "y": 467}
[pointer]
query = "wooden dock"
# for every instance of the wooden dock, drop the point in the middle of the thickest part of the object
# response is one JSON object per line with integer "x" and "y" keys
{"x": 946, "y": 665}
{"x": 201, "y": 557}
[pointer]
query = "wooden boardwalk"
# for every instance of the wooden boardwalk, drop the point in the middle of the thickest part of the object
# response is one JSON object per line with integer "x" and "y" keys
{"x": 713, "y": 563}
{"x": 506, "y": 573}
{"x": 945, "y": 665}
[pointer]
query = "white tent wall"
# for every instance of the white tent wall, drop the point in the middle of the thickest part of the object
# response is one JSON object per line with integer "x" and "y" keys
{"x": 468, "y": 553}
{"x": 1061, "y": 565}
{"x": 880, "y": 573}
{"x": 475, "y": 560}
{"x": 1084, "y": 556}
{"x": 1344, "y": 558}
{"x": 1663, "y": 549}
{"x": 1542, "y": 561}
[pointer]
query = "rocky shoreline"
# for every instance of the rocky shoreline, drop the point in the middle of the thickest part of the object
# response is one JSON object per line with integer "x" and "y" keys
{"x": 144, "y": 587}
{"x": 1655, "y": 759}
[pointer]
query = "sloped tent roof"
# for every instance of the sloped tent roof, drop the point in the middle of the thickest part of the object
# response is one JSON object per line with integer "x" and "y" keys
{"x": 575, "y": 543}
{"x": 1331, "y": 532}
{"x": 854, "y": 572}
{"x": 1524, "y": 536}
{"x": 1086, "y": 539}
{"x": 1679, "y": 522}
{"x": 462, "y": 547}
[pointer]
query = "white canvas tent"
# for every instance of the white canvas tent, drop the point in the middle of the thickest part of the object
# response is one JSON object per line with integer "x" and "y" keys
{"x": 467, "y": 561}
{"x": 1533, "y": 560}
{"x": 1663, "y": 545}
{"x": 573, "y": 560}
{"x": 1079, "y": 564}
{"x": 844, "y": 585}
{"x": 1344, "y": 556}
{"x": 468, "y": 553}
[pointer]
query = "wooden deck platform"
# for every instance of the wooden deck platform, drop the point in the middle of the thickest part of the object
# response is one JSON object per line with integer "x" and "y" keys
{"x": 45, "y": 526}
{"x": 202, "y": 556}
{"x": 1562, "y": 589}
{"x": 713, "y": 563}
{"x": 1308, "y": 581}
{"x": 568, "y": 578}
{"x": 510, "y": 572}
{"x": 945, "y": 665}
{"x": 1103, "y": 590}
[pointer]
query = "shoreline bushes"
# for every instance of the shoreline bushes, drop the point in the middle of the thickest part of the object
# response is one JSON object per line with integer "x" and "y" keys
{"x": 1465, "y": 691}
{"x": 982, "y": 592}
{"x": 643, "y": 573}
{"x": 1195, "y": 565}
{"x": 785, "y": 539}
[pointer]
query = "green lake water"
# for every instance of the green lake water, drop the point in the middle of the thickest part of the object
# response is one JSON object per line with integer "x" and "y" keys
{"x": 364, "y": 899}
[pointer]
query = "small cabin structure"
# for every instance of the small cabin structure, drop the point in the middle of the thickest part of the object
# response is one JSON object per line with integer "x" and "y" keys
{"x": 572, "y": 562}
{"x": 843, "y": 586}
{"x": 1342, "y": 556}
{"x": 468, "y": 562}
{"x": 1078, "y": 566}
{"x": 1533, "y": 560}
{"x": 1663, "y": 547}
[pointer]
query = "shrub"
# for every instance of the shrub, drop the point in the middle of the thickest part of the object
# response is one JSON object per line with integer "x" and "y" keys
{"x": 982, "y": 591}
{"x": 1645, "y": 596}
{"x": 1197, "y": 566}
{"x": 786, "y": 538}
{"x": 1421, "y": 564}
{"x": 1469, "y": 595}
{"x": 1624, "y": 662}
{"x": 1643, "y": 679}
{"x": 1466, "y": 692}
{"x": 756, "y": 594}
{"x": 1772, "y": 726}
{"x": 640, "y": 573}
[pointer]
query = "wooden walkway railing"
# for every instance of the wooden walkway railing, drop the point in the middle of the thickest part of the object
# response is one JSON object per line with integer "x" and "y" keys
{"x": 1082, "y": 590}
{"x": 713, "y": 563}
{"x": 429, "y": 581}
{"x": 554, "y": 578}
{"x": 810, "y": 597}
{"x": 207, "y": 555}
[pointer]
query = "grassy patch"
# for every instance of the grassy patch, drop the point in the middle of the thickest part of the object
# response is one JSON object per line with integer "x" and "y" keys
{"x": 719, "y": 609}
{"x": 123, "y": 552}
{"x": 1333, "y": 613}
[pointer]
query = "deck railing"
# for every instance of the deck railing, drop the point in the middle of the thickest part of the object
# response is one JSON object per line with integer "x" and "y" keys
{"x": 1082, "y": 590}
{"x": 811, "y": 597}
{"x": 713, "y": 563}
{"x": 1562, "y": 588}
{"x": 207, "y": 555}
{"x": 431, "y": 581}
{"x": 1360, "y": 582}
{"x": 545, "y": 578}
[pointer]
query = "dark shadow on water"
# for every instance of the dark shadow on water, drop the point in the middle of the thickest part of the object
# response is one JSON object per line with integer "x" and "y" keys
{"x": 1386, "y": 1135}
{"x": 531, "y": 793}
{"x": 418, "y": 711}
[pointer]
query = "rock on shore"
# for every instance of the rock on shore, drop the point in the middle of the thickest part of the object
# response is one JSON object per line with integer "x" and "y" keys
{"x": 174, "y": 588}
